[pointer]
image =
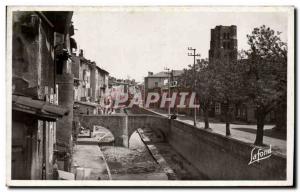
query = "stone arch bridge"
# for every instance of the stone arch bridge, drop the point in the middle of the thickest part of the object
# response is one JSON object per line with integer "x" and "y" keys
{"x": 216, "y": 156}
{"x": 122, "y": 126}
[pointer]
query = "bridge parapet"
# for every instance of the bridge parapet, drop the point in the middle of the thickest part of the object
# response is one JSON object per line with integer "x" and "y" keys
{"x": 223, "y": 158}
{"x": 156, "y": 123}
{"x": 122, "y": 126}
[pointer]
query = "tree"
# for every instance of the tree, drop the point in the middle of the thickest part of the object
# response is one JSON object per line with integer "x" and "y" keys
{"x": 227, "y": 87}
{"x": 203, "y": 87}
{"x": 265, "y": 73}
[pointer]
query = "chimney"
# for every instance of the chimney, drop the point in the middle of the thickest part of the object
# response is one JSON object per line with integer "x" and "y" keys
{"x": 81, "y": 53}
{"x": 150, "y": 73}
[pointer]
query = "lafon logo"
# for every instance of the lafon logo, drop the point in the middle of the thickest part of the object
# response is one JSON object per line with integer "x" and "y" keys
{"x": 259, "y": 153}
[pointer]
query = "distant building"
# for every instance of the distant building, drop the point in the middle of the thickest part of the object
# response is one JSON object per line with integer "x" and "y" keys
{"x": 159, "y": 83}
{"x": 120, "y": 89}
{"x": 223, "y": 48}
{"x": 85, "y": 108}
{"x": 101, "y": 84}
{"x": 91, "y": 82}
{"x": 159, "y": 80}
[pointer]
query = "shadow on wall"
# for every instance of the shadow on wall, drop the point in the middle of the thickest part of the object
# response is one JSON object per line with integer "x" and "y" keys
{"x": 223, "y": 158}
{"x": 268, "y": 132}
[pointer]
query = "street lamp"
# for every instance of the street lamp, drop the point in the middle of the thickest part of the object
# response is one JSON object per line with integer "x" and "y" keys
{"x": 193, "y": 54}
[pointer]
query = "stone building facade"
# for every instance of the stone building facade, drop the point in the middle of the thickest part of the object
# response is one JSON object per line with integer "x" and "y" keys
{"x": 37, "y": 106}
{"x": 91, "y": 84}
{"x": 223, "y": 44}
{"x": 223, "y": 48}
{"x": 159, "y": 80}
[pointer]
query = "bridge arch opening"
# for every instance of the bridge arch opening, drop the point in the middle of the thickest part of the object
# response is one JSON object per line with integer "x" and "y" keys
{"x": 135, "y": 142}
{"x": 148, "y": 135}
{"x": 103, "y": 135}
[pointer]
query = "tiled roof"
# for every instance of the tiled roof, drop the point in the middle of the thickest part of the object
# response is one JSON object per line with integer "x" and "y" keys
{"x": 86, "y": 103}
{"x": 37, "y": 107}
{"x": 164, "y": 74}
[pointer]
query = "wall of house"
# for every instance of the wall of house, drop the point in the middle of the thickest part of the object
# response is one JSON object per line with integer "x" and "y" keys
{"x": 33, "y": 76}
{"x": 32, "y": 145}
{"x": 102, "y": 85}
{"x": 22, "y": 150}
{"x": 97, "y": 85}
{"x": 26, "y": 58}
{"x": 76, "y": 66}
{"x": 93, "y": 82}
{"x": 85, "y": 78}
{"x": 150, "y": 82}
{"x": 65, "y": 98}
{"x": 85, "y": 109}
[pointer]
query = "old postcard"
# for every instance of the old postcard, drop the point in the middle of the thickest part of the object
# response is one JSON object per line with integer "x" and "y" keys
{"x": 150, "y": 96}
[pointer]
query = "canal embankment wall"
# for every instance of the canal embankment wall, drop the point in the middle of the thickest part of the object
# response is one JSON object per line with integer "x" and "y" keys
{"x": 220, "y": 157}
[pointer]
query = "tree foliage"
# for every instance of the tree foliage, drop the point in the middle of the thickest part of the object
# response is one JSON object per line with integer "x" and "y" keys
{"x": 259, "y": 75}
{"x": 202, "y": 85}
{"x": 265, "y": 73}
{"x": 227, "y": 86}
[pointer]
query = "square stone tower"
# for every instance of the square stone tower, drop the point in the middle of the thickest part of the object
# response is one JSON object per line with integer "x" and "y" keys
{"x": 223, "y": 44}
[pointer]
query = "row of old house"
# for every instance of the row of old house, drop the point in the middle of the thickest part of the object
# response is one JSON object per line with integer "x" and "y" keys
{"x": 52, "y": 83}
{"x": 95, "y": 92}
{"x": 91, "y": 85}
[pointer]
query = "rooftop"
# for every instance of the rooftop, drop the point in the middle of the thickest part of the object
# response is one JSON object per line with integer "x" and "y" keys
{"x": 176, "y": 73}
{"x": 39, "y": 108}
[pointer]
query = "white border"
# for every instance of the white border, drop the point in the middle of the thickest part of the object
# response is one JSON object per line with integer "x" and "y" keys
{"x": 290, "y": 103}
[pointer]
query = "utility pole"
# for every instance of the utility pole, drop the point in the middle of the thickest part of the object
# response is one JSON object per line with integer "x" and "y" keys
{"x": 169, "y": 91}
{"x": 193, "y": 54}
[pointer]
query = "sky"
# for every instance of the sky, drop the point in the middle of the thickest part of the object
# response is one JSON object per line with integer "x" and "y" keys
{"x": 128, "y": 44}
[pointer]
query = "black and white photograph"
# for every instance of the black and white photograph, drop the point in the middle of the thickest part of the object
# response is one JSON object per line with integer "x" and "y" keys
{"x": 150, "y": 96}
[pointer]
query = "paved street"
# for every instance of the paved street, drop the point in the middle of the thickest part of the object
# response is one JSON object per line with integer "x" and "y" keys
{"x": 134, "y": 163}
{"x": 242, "y": 132}
{"x": 90, "y": 162}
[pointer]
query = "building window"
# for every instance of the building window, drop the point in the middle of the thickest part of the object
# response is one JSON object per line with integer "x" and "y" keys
{"x": 59, "y": 67}
{"x": 89, "y": 92}
{"x": 84, "y": 74}
{"x": 226, "y": 45}
{"x": 225, "y": 35}
{"x": 156, "y": 84}
{"x": 218, "y": 108}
